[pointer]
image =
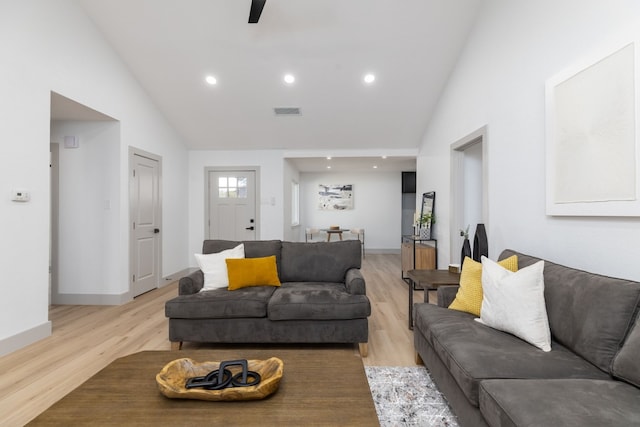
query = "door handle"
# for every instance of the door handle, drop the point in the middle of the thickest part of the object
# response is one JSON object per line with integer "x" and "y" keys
{"x": 250, "y": 228}
{"x": 156, "y": 230}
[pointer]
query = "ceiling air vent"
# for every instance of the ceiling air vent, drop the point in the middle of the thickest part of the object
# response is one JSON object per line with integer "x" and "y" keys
{"x": 287, "y": 111}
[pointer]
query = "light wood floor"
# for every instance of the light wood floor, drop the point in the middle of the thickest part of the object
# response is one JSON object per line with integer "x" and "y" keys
{"x": 87, "y": 338}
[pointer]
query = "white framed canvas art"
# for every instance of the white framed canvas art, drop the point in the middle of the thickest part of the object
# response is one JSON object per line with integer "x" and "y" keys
{"x": 335, "y": 197}
{"x": 592, "y": 153}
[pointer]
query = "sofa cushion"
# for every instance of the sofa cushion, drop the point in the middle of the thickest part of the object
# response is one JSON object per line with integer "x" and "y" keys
{"x": 214, "y": 267}
{"x": 252, "y": 248}
{"x": 626, "y": 365}
{"x": 320, "y": 261}
{"x": 588, "y": 313}
{"x": 470, "y": 295}
{"x": 316, "y": 301}
{"x": 567, "y": 402}
{"x": 514, "y": 302}
{"x": 221, "y": 304}
{"x": 252, "y": 272}
{"x": 473, "y": 352}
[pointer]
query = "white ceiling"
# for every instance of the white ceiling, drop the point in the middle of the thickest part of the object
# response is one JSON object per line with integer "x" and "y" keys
{"x": 410, "y": 45}
{"x": 354, "y": 164}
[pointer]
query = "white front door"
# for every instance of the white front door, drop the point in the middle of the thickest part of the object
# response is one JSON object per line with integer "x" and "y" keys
{"x": 232, "y": 205}
{"x": 146, "y": 233}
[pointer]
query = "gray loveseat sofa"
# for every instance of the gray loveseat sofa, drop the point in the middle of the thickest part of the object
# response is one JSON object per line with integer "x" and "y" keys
{"x": 591, "y": 376}
{"x": 322, "y": 299}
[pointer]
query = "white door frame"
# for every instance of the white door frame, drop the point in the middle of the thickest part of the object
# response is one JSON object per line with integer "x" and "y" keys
{"x": 54, "y": 149}
{"x": 132, "y": 241}
{"x": 458, "y": 189}
{"x": 207, "y": 170}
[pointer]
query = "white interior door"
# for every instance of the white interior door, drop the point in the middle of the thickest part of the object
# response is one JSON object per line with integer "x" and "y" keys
{"x": 232, "y": 205}
{"x": 146, "y": 222}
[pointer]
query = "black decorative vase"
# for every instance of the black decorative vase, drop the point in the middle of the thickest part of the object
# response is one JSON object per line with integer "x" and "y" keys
{"x": 466, "y": 251}
{"x": 480, "y": 244}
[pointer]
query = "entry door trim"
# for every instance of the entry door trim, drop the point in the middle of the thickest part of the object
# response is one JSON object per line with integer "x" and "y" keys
{"x": 132, "y": 243}
{"x": 457, "y": 186}
{"x": 54, "y": 149}
{"x": 207, "y": 170}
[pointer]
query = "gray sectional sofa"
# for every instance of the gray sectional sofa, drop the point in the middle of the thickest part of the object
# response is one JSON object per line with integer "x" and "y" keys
{"x": 322, "y": 299}
{"x": 591, "y": 376}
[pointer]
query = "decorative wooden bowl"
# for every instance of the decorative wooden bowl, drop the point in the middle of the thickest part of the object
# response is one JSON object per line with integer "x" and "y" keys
{"x": 173, "y": 377}
{"x": 334, "y": 227}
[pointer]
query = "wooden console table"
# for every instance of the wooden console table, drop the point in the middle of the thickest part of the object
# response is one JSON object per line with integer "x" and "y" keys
{"x": 428, "y": 280}
{"x": 418, "y": 254}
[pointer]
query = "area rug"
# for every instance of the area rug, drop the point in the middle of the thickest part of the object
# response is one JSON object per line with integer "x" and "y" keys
{"x": 406, "y": 396}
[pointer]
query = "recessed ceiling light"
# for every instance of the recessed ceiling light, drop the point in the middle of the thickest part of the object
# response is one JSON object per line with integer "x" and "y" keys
{"x": 211, "y": 80}
{"x": 369, "y": 78}
{"x": 328, "y": 157}
{"x": 384, "y": 157}
{"x": 375, "y": 166}
{"x": 289, "y": 78}
{"x": 328, "y": 167}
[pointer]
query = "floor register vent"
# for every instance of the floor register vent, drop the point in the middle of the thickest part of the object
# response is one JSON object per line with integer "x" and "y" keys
{"x": 287, "y": 111}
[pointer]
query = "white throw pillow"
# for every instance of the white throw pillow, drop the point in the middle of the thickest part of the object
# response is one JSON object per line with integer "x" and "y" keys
{"x": 214, "y": 267}
{"x": 514, "y": 302}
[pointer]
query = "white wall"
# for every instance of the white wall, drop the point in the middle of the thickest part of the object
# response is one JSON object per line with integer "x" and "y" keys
{"x": 290, "y": 175}
{"x": 52, "y": 46}
{"x": 270, "y": 177}
{"x": 377, "y": 199}
{"x": 499, "y": 82}
{"x": 377, "y": 206}
{"x": 89, "y": 206}
{"x": 472, "y": 187}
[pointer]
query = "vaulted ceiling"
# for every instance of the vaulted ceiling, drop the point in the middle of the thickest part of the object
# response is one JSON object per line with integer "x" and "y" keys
{"x": 410, "y": 46}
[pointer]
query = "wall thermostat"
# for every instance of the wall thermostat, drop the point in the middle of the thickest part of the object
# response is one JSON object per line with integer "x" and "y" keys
{"x": 20, "y": 196}
{"x": 71, "y": 141}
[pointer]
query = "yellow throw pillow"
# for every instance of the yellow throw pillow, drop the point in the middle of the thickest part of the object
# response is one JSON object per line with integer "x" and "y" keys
{"x": 469, "y": 296}
{"x": 252, "y": 272}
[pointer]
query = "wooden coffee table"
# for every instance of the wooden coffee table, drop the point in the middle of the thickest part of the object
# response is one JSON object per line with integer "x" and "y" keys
{"x": 319, "y": 387}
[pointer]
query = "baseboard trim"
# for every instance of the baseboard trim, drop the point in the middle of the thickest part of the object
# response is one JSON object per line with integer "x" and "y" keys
{"x": 172, "y": 278}
{"x": 113, "y": 299}
{"x": 91, "y": 299}
{"x": 25, "y": 338}
{"x": 382, "y": 251}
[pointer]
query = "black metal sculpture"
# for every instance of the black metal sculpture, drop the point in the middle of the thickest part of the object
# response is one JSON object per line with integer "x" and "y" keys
{"x": 222, "y": 377}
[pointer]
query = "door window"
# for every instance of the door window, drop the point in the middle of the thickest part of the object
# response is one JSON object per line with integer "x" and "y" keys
{"x": 232, "y": 187}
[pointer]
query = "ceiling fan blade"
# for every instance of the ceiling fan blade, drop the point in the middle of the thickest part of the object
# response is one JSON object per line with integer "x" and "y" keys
{"x": 256, "y": 10}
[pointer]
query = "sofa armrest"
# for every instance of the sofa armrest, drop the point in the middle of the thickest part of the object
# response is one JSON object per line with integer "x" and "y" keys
{"x": 354, "y": 281}
{"x": 191, "y": 284}
{"x": 446, "y": 295}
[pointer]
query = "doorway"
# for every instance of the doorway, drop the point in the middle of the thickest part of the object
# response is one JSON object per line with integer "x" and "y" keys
{"x": 146, "y": 220}
{"x": 85, "y": 179}
{"x": 469, "y": 201}
{"x": 231, "y": 205}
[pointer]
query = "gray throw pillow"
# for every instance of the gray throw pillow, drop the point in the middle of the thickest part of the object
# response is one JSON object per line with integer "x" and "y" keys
{"x": 626, "y": 365}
